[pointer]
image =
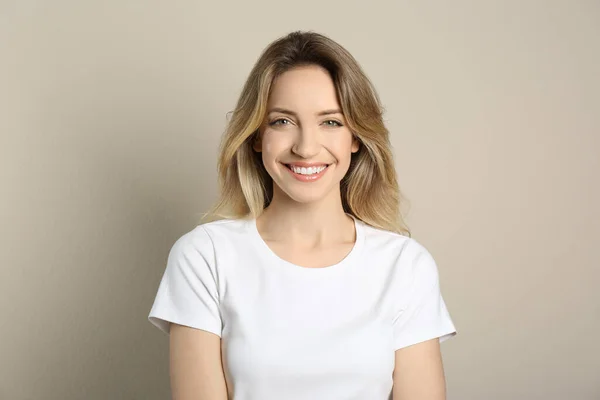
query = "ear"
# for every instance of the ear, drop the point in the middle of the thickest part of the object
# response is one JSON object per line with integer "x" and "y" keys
{"x": 355, "y": 144}
{"x": 257, "y": 142}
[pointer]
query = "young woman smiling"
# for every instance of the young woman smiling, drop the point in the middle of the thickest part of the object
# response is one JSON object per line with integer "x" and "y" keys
{"x": 308, "y": 286}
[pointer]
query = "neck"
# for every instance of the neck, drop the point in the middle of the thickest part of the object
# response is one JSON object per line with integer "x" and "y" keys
{"x": 312, "y": 224}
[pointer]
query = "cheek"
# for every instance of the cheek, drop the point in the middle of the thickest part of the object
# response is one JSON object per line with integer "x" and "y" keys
{"x": 273, "y": 145}
{"x": 268, "y": 147}
{"x": 341, "y": 147}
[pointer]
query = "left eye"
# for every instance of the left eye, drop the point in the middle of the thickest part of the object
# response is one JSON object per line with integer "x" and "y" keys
{"x": 335, "y": 123}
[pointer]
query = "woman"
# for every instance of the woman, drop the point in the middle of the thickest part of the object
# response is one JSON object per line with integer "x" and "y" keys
{"x": 309, "y": 286}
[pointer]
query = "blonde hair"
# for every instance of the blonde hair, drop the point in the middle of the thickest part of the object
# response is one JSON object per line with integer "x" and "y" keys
{"x": 369, "y": 190}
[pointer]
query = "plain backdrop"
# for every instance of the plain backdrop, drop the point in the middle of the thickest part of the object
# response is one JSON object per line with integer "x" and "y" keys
{"x": 111, "y": 114}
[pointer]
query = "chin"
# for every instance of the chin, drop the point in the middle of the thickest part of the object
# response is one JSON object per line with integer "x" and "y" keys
{"x": 303, "y": 197}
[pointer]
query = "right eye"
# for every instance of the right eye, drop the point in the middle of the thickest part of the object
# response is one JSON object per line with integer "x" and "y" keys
{"x": 275, "y": 122}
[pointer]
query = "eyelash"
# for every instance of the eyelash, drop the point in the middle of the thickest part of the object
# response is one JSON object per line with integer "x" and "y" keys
{"x": 285, "y": 119}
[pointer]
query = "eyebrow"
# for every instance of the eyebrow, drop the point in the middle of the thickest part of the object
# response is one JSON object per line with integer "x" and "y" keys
{"x": 289, "y": 112}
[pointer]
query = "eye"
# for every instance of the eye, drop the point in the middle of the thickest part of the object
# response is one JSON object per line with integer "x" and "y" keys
{"x": 335, "y": 123}
{"x": 275, "y": 122}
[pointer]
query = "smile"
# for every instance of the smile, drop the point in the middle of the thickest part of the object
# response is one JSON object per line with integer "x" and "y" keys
{"x": 307, "y": 174}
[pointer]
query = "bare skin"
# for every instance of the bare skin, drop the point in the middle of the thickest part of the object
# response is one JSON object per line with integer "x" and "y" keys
{"x": 419, "y": 372}
{"x": 195, "y": 365}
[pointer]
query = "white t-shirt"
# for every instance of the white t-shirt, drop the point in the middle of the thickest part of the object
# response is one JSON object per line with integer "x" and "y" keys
{"x": 295, "y": 333}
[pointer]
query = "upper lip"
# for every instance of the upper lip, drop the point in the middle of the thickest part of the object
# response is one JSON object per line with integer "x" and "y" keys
{"x": 307, "y": 164}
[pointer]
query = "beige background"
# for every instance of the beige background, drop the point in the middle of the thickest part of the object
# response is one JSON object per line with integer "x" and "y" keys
{"x": 111, "y": 113}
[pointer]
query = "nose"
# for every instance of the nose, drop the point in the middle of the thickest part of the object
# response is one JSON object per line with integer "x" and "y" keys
{"x": 307, "y": 144}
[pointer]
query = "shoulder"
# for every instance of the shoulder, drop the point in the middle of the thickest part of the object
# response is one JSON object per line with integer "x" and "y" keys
{"x": 197, "y": 250}
{"x": 226, "y": 230}
{"x": 395, "y": 243}
{"x": 408, "y": 256}
{"x": 205, "y": 237}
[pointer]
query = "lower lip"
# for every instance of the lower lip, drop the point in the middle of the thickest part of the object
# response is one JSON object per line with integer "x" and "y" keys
{"x": 307, "y": 178}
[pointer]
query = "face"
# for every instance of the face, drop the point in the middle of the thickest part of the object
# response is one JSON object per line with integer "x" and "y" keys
{"x": 305, "y": 144}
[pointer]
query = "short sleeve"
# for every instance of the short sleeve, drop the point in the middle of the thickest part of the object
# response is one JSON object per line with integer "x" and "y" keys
{"x": 187, "y": 293}
{"x": 423, "y": 314}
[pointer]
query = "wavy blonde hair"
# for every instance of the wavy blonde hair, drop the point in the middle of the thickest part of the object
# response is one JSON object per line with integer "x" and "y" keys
{"x": 369, "y": 190}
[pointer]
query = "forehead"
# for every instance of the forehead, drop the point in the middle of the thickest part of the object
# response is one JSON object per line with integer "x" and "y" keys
{"x": 304, "y": 88}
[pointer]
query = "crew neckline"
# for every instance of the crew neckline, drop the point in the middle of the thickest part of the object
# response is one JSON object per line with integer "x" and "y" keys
{"x": 347, "y": 260}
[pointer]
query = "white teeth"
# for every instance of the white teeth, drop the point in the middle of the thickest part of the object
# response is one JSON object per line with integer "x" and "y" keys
{"x": 307, "y": 171}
